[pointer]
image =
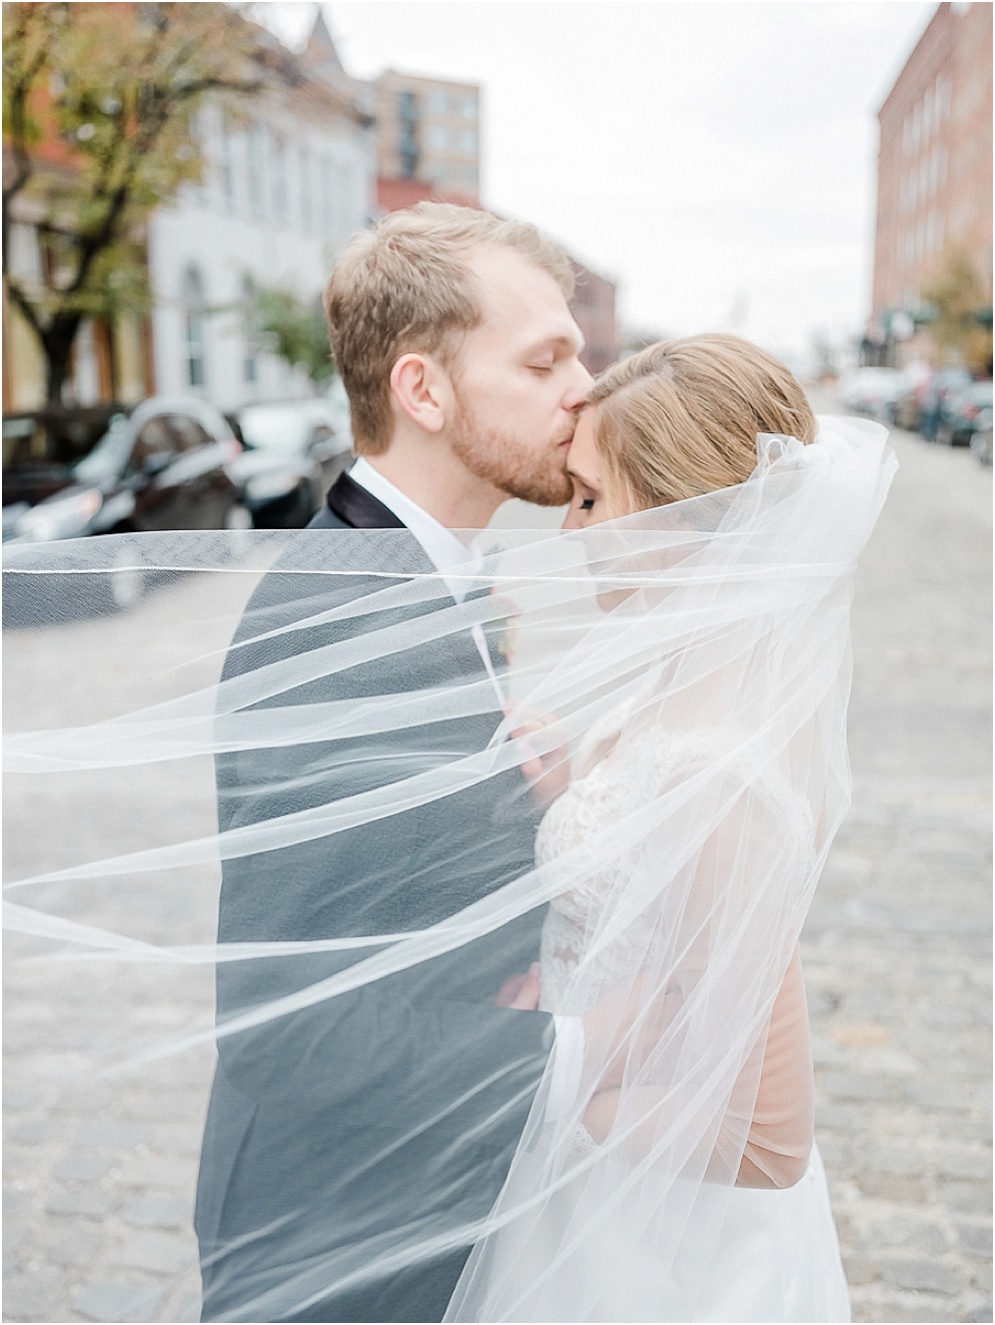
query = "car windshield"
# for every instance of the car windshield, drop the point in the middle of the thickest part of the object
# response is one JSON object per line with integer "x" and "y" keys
{"x": 276, "y": 428}
{"x": 41, "y": 442}
{"x": 108, "y": 456}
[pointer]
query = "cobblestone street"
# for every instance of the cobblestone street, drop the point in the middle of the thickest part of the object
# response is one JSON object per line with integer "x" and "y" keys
{"x": 897, "y": 946}
{"x": 99, "y": 1174}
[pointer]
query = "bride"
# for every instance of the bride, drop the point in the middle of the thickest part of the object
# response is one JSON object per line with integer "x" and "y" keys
{"x": 683, "y": 1184}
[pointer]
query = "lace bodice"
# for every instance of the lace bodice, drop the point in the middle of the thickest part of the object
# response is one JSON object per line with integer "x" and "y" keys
{"x": 615, "y": 775}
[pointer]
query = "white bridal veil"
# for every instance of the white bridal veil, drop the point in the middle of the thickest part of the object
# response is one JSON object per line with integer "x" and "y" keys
{"x": 271, "y": 820}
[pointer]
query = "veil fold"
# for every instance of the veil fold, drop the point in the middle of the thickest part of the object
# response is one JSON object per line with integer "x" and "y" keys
{"x": 277, "y": 839}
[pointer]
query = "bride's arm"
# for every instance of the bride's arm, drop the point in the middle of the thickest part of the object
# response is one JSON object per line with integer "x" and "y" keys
{"x": 727, "y": 919}
{"x": 780, "y": 1134}
{"x": 782, "y": 1127}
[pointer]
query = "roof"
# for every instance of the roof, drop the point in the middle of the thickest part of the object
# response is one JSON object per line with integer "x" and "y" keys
{"x": 395, "y": 194}
{"x": 320, "y": 49}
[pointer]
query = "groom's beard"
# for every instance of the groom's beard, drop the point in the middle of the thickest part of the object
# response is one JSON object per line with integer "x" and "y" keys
{"x": 508, "y": 463}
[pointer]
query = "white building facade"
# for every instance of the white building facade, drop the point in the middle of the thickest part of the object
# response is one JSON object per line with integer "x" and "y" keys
{"x": 284, "y": 188}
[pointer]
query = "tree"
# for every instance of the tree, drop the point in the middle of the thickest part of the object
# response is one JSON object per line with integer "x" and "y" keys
{"x": 963, "y": 311}
{"x": 99, "y": 119}
{"x": 294, "y": 329}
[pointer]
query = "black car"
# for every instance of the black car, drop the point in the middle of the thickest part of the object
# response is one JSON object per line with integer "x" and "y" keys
{"x": 41, "y": 446}
{"x": 959, "y": 414}
{"x": 163, "y": 464}
{"x": 941, "y": 386}
{"x": 293, "y": 452}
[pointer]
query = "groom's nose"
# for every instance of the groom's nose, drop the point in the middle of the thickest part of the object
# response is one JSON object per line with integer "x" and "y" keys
{"x": 580, "y": 386}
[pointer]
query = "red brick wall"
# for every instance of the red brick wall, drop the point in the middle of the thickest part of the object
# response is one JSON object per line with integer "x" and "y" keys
{"x": 935, "y": 157}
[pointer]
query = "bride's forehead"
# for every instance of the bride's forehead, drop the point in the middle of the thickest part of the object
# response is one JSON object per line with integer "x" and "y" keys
{"x": 583, "y": 458}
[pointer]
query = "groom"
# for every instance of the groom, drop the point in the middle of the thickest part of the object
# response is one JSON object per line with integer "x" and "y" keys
{"x": 345, "y": 1142}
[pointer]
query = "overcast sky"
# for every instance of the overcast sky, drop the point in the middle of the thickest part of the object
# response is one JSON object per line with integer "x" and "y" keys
{"x": 716, "y": 159}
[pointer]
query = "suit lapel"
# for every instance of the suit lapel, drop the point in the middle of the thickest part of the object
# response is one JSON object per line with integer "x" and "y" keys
{"x": 352, "y": 503}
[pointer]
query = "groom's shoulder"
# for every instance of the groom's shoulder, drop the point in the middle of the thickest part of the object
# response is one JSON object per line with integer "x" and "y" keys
{"x": 326, "y": 519}
{"x": 295, "y": 605}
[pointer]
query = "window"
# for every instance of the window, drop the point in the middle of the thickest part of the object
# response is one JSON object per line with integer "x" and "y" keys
{"x": 327, "y": 198}
{"x": 190, "y": 435}
{"x": 254, "y": 149}
{"x": 407, "y": 106}
{"x": 341, "y": 211}
{"x": 439, "y": 103}
{"x": 468, "y": 141}
{"x": 306, "y": 189}
{"x": 278, "y": 179}
{"x": 470, "y": 108}
{"x": 227, "y": 170}
{"x": 439, "y": 138}
{"x": 407, "y": 150}
{"x": 199, "y": 136}
{"x": 250, "y": 332}
{"x": 193, "y": 327}
{"x": 156, "y": 444}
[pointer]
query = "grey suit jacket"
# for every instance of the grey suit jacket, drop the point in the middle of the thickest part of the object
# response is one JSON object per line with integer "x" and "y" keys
{"x": 390, "y": 1114}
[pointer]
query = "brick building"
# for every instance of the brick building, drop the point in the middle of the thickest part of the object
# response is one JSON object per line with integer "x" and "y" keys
{"x": 428, "y": 130}
{"x": 428, "y": 147}
{"x": 593, "y": 304}
{"x": 934, "y": 173}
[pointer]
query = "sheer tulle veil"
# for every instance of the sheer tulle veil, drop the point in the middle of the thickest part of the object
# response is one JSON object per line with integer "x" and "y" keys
{"x": 242, "y": 728}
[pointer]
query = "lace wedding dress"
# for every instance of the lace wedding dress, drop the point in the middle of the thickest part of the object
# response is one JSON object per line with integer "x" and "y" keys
{"x": 746, "y": 1254}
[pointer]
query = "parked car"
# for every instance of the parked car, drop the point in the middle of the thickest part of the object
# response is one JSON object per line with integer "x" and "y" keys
{"x": 906, "y": 410}
{"x": 41, "y": 446}
{"x": 292, "y": 453}
{"x": 163, "y": 464}
{"x": 941, "y": 384}
{"x": 959, "y": 414}
{"x": 871, "y": 391}
{"x": 981, "y": 438}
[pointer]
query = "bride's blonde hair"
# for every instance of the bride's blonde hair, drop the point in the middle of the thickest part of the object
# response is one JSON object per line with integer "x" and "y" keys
{"x": 681, "y": 418}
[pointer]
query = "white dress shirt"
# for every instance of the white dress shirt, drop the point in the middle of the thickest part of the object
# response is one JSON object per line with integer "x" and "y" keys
{"x": 458, "y": 562}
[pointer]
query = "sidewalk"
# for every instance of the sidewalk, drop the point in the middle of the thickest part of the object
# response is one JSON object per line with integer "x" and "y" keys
{"x": 897, "y": 947}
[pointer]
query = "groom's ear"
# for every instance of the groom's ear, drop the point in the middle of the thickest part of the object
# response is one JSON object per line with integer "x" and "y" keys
{"x": 420, "y": 387}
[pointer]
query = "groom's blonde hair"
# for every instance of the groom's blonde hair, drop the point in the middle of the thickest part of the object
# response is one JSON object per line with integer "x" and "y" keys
{"x": 405, "y": 286}
{"x": 681, "y": 418}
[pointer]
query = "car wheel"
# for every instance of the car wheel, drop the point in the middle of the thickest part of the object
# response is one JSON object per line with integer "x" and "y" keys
{"x": 945, "y": 435}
